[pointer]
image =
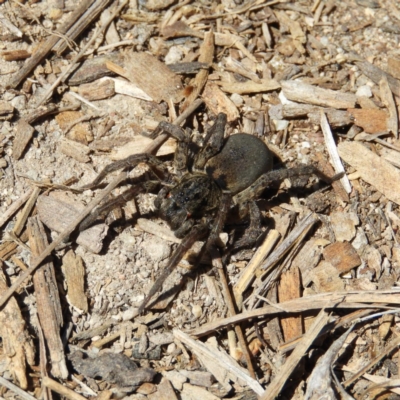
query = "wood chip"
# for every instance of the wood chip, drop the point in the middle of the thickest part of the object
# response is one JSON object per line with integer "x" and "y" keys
{"x": 296, "y": 31}
{"x": 6, "y": 110}
{"x": 214, "y": 291}
{"x": 390, "y": 155}
{"x": 233, "y": 65}
{"x": 48, "y": 300}
{"x": 344, "y": 225}
{"x": 164, "y": 391}
{"x": 15, "y": 55}
{"x": 199, "y": 378}
{"x": 308, "y": 257}
{"x": 57, "y": 214}
{"x": 326, "y": 278}
{"x": 76, "y": 150}
{"x": 217, "y": 102}
{"x": 375, "y": 74}
{"x": 7, "y": 249}
{"x": 18, "y": 349}
{"x": 97, "y": 90}
{"x": 191, "y": 392}
{"x": 328, "y": 170}
{"x": 95, "y": 68}
{"x": 153, "y": 77}
{"x": 385, "y": 324}
{"x": 371, "y": 120}
{"x": 342, "y": 255}
{"x": 121, "y": 86}
{"x": 71, "y": 124}
{"x": 23, "y": 135}
{"x": 372, "y": 168}
{"x": 393, "y": 66}
{"x": 138, "y": 144}
{"x": 305, "y": 93}
{"x": 388, "y": 100}
{"x": 266, "y": 85}
{"x": 290, "y": 288}
{"x": 156, "y": 5}
{"x": 206, "y": 56}
{"x": 158, "y": 230}
{"x": 74, "y": 273}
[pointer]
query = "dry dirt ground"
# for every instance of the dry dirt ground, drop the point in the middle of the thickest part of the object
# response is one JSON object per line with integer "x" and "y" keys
{"x": 311, "y": 309}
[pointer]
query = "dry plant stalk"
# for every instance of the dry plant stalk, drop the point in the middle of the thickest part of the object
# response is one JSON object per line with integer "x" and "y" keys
{"x": 249, "y": 273}
{"x": 382, "y": 299}
{"x": 217, "y": 263}
{"x": 275, "y": 387}
{"x": 61, "y": 389}
{"x": 305, "y": 93}
{"x": 85, "y": 19}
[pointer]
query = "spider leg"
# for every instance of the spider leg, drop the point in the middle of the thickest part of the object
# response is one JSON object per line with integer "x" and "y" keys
{"x": 220, "y": 219}
{"x": 253, "y": 231}
{"x": 183, "y": 139}
{"x": 120, "y": 200}
{"x": 130, "y": 161}
{"x": 213, "y": 142}
{"x": 184, "y": 246}
{"x": 266, "y": 179}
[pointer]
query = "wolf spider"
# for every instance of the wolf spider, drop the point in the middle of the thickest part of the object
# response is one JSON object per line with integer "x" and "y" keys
{"x": 225, "y": 172}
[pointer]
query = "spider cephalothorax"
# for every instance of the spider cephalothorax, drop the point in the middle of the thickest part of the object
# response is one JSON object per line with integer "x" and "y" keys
{"x": 195, "y": 201}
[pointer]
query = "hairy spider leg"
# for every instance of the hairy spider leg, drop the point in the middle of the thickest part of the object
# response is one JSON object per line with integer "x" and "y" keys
{"x": 183, "y": 138}
{"x": 254, "y": 190}
{"x": 196, "y": 233}
{"x": 131, "y": 161}
{"x": 217, "y": 224}
{"x": 115, "y": 202}
{"x": 254, "y": 230}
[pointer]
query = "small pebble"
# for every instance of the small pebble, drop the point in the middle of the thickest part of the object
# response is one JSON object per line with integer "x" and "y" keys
{"x": 197, "y": 311}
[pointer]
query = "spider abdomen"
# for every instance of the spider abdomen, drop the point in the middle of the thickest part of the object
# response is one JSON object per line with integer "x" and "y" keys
{"x": 242, "y": 160}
